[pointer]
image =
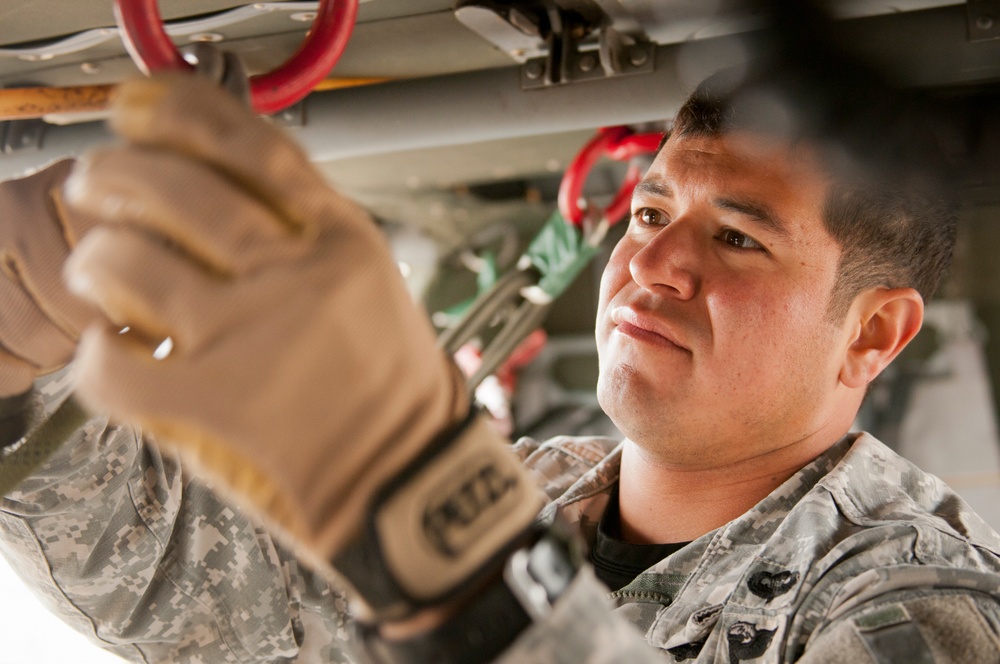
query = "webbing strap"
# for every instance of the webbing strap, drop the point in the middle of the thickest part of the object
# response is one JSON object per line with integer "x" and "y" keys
{"x": 19, "y": 460}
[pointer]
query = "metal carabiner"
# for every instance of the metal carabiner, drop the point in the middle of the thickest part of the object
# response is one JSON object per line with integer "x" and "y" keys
{"x": 618, "y": 143}
{"x": 152, "y": 50}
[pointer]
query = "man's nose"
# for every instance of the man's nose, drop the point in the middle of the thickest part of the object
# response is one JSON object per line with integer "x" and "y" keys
{"x": 667, "y": 263}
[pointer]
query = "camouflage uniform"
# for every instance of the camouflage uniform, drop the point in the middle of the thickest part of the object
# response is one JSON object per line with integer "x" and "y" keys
{"x": 859, "y": 557}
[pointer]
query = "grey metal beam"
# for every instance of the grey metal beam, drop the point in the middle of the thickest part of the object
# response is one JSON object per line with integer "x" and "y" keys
{"x": 479, "y": 106}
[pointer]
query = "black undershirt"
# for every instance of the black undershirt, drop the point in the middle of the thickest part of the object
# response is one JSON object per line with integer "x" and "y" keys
{"x": 617, "y": 563}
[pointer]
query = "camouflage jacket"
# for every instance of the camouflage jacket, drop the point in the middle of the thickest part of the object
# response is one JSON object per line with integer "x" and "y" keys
{"x": 859, "y": 557}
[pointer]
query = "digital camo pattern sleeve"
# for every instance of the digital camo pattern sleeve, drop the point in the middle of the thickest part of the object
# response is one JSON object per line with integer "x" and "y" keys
{"x": 918, "y": 616}
{"x": 151, "y": 565}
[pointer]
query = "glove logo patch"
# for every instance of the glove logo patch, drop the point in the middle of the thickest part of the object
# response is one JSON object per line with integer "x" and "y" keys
{"x": 450, "y": 524}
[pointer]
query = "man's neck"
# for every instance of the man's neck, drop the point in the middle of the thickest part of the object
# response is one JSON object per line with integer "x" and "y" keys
{"x": 662, "y": 504}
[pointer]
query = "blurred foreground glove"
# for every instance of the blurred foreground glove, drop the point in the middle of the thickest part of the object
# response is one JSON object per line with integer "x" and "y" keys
{"x": 301, "y": 375}
{"x": 40, "y": 321}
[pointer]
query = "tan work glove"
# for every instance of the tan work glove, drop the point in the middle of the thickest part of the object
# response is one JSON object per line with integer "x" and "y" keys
{"x": 40, "y": 321}
{"x": 301, "y": 374}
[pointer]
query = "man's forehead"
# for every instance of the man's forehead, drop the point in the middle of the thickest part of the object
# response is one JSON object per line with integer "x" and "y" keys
{"x": 768, "y": 181}
{"x": 744, "y": 145}
{"x": 737, "y": 157}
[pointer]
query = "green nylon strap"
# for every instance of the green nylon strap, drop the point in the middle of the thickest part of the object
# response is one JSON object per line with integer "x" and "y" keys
{"x": 18, "y": 461}
{"x": 560, "y": 251}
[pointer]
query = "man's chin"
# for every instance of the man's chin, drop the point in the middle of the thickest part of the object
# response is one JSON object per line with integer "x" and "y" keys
{"x": 630, "y": 401}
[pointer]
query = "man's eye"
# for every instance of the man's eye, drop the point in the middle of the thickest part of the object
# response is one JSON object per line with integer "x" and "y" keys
{"x": 649, "y": 217}
{"x": 738, "y": 240}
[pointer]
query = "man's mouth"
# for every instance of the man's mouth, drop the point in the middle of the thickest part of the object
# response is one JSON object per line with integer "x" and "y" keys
{"x": 646, "y": 328}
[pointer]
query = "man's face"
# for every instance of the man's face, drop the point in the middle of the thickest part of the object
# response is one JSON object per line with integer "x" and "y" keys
{"x": 713, "y": 329}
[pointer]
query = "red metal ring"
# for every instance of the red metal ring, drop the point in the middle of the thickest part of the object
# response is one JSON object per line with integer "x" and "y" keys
{"x": 152, "y": 50}
{"x": 618, "y": 143}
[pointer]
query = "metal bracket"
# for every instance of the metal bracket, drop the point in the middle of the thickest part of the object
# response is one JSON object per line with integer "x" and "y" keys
{"x": 558, "y": 46}
{"x": 616, "y": 54}
{"x": 18, "y": 135}
{"x": 984, "y": 19}
{"x": 512, "y": 30}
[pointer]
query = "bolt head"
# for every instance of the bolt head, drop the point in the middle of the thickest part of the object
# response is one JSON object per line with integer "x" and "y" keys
{"x": 985, "y": 22}
{"x": 637, "y": 56}
{"x": 534, "y": 70}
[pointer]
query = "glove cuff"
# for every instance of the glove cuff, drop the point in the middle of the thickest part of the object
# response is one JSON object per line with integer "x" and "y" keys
{"x": 447, "y": 520}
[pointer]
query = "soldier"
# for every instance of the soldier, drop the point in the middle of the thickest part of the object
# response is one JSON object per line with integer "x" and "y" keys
{"x": 758, "y": 291}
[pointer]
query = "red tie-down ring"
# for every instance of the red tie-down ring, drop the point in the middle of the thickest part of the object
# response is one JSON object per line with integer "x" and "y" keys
{"x": 618, "y": 143}
{"x": 152, "y": 50}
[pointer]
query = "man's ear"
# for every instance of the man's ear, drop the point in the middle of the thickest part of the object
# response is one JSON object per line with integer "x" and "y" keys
{"x": 883, "y": 321}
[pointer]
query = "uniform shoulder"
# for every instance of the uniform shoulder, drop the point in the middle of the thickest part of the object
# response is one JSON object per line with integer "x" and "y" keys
{"x": 873, "y": 486}
{"x": 559, "y": 462}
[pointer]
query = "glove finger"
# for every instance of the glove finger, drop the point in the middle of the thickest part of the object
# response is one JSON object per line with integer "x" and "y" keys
{"x": 16, "y": 375}
{"x": 39, "y": 271}
{"x": 182, "y": 200}
{"x": 34, "y": 243}
{"x": 192, "y": 116}
{"x": 37, "y": 267}
{"x": 141, "y": 282}
{"x": 75, "y": 223}
{"x": 29, "y": 334}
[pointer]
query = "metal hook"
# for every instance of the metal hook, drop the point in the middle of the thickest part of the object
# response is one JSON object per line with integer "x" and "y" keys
{"x": 618, "y": 143}
{"x": 152, "y": 50}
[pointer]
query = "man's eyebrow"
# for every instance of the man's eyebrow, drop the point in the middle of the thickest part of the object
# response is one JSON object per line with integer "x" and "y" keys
{"x": 653, "y": 188}
{"x": 758, "y": 214}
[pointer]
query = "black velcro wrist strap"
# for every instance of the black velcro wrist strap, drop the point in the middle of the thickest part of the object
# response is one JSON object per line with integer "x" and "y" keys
{"x": 493, "y": 616}
{"x": 447, "y": 520}
{"x": 478, "y": 633}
